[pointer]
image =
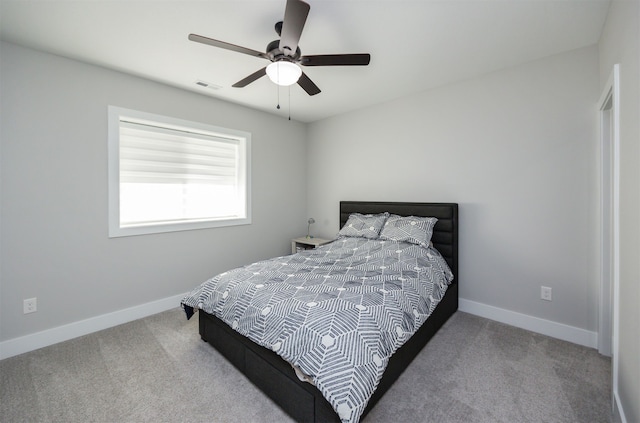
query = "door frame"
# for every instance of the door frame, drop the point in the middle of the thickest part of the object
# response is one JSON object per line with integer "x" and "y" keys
{"x": 608, "y": 321}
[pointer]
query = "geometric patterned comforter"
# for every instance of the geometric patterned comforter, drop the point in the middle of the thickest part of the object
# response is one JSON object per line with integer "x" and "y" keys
{"x": 337, "y": 313}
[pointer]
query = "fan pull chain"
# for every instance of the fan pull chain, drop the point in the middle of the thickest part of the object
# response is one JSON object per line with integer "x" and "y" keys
{"x": 289, "y": 102}
{"x": 278, "y": 87}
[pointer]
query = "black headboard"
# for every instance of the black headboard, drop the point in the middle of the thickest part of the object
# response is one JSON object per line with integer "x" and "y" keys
{"x": 445, "y": 233}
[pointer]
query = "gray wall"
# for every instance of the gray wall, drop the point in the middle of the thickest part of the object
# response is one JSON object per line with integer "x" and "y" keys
{"x": 620, "y": 43}
{"x": 516, "y": 149}
{"x": 54, "y": 194}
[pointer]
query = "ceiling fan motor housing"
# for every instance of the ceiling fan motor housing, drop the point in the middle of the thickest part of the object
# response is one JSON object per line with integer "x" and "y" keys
{"x": 275, "y": 54}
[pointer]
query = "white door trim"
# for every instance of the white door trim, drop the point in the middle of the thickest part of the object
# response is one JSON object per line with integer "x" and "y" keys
{"x": 608, "y": 331}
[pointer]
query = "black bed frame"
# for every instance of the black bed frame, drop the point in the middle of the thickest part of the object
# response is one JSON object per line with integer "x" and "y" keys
{"x": 275, "y": 377}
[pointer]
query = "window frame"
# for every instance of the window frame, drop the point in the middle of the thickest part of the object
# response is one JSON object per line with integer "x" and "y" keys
{"x": 115, "y": 115}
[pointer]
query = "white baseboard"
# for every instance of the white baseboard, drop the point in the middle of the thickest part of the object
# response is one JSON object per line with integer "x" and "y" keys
{"x": 48, "y": 337}
{"x": 534, "y": 324}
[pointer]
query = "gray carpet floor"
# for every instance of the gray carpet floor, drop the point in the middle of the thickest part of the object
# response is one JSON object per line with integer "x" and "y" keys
{"x": 158, "y": 370}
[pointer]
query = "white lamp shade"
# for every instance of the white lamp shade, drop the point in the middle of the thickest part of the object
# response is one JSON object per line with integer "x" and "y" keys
{"x": 284, "y": 73}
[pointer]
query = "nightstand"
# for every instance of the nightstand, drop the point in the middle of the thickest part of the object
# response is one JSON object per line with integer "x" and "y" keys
{"x": 304, "y": 243}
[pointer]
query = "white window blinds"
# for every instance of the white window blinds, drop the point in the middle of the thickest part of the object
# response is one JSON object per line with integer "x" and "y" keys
{"x": 167, "y": 174}
{"x": 150, "y": 154}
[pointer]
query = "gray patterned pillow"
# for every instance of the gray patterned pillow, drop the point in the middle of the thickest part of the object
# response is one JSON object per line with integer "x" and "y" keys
{"x": 364, "y": 225}
{"x": 414, "y": 229}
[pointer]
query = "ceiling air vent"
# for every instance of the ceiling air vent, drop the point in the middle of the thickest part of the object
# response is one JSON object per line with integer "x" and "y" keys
{"x": 209, "y": 85}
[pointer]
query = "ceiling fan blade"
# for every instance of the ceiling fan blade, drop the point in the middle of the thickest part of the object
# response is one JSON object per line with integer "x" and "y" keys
{"x": 226, "y": 46}
{"x": 336, "y": 60}
{"x": 308, "y": 85}
{"x": 249, "y": 79}
{"x": 295, "y": 16}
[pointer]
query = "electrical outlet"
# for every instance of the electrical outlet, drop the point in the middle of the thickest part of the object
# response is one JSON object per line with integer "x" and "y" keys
{"x": 30, "y": 305}
{"x": 545, "y": 293}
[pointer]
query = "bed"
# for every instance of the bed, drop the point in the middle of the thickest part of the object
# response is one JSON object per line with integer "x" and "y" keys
{"x": 285, "y": 384}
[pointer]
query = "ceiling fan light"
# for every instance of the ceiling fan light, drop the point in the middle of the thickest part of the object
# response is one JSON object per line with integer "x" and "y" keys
{"x": 284, "y": 73}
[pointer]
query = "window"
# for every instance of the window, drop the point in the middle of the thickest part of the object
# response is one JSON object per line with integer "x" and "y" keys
{"x": 169, "y": 175}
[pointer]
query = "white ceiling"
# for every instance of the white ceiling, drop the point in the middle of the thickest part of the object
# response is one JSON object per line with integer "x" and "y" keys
{"x": 414, "y": 45}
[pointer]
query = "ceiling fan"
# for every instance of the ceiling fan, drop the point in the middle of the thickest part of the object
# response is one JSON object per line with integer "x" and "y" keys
{"x": 285, "y": 55}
